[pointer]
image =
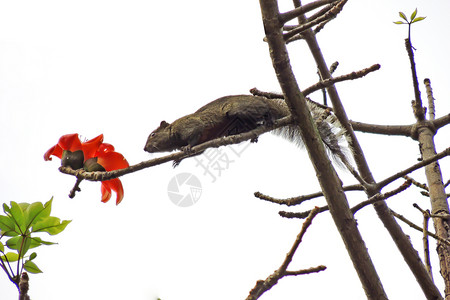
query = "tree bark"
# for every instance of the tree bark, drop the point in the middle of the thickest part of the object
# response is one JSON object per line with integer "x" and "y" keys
{"x": 328, "y": 179}
{"x": 438, "y": 200}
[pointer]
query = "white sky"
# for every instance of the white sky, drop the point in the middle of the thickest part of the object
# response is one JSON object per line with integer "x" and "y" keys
{"x": 119, "y": 68}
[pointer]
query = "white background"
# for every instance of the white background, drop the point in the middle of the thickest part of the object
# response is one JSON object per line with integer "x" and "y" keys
{"x": 120, "y": 67}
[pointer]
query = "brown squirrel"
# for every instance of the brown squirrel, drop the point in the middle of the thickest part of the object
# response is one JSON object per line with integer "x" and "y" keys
{"x": 231, "y": 115}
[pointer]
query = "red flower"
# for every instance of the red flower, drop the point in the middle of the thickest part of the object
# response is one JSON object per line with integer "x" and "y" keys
{"x": 93, "y": 155}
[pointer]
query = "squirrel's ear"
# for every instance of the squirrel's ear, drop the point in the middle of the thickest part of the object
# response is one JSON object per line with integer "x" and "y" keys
{"x": 164, "y": 124}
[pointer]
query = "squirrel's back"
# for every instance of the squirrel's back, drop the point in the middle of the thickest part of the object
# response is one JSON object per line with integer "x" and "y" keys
{"x": 231, "y": 115}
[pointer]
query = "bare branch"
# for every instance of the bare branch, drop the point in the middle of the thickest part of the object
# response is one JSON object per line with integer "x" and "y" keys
{"x": 412, "y": 225}
{"x": 419, "y": 110}
{"x": 414, "y": 167}
{"x": 330, "y": 81}
{"x": 287, "y": 16}
{"x": 306, "y": 271}
{"x": 329, "y": 14}
{"x": 178, "y": 156}
{"x": 320, "y": 85}
{"x": 263, "y": 286}
{"x": 300, "y": 199}
{"x": 371, "y": 200}
{"x": 418, "y": 184}
{"x": 431, "y": 110}
{"x": 379, "y": 197}
{"x": 426, "y": 247}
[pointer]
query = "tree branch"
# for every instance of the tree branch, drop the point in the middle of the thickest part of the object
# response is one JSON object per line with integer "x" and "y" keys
{"x": 263, "y": 286}
{"x": 431, "y": 110}
{"x": 419, "y": 110}
{"x": 300, "y": 199}
{"x": 178, "y": 156}
{"x": 328, "y": 179}
{"x": 426, "y": 247}
{"x": 331, "y": 13}
{"x": 412, "y": 225}
{"x": 292, "y": 14}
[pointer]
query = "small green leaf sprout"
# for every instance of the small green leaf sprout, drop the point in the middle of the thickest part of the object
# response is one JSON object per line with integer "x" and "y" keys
{"x": 413, "y": 19}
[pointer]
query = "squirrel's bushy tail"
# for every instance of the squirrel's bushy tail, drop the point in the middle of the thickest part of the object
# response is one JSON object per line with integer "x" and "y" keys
{"x": 330, "y": 129}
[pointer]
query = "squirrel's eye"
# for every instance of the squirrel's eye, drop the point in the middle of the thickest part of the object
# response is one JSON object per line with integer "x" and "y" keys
{"x": 152, "y": 134}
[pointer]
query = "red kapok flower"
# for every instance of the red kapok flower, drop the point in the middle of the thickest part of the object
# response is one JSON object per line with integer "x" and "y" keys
{"x": 92, "y": 155}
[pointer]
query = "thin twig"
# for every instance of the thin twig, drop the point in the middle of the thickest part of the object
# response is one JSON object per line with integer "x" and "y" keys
{"x": 414, "y": 167}
{"x": 320, "y": 85}
{"x": 416, "y": 183}
{"x": 300, "y": 199}
{"x": 263, "y": 286}
{"x": 426, "y": 246}
{"x": 351, "y": 76}
{"x": 330, "y": 14}
{"x": 412, "y": 225}
{"x": 371, "y": 200}
{"x": 379, "y": 197}
{"x": 292, "y": 14}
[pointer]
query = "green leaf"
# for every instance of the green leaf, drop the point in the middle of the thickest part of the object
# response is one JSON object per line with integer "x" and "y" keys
{"x": 51, "y": 225}
{"x": 18, "y": 216}
{"x": 14, "y": 243}
{"x": 400, "y": 22}
{"x": 418, "y": 19}
{"x": 33, "y": 256}
{"x": 403, "y": 16}
{"x": 31, "y": 267}
{"x": 24, "y": 205}
{"x": 2, "y": 248}
{"x": 19, "y": 243}
{"x": 10, "y": 256}
{"x": 6, "y": 224}
{"x": 37, "y": 212}
{"x": 413, "y": 15}
{"x": 36, "y": 242}
{"x": 6, "y": 209}
{"x": 32, "y": 211}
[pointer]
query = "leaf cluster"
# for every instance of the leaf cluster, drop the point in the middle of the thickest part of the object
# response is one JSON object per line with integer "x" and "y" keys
{"x": 19, "y": 226}
{"x": 413, "y": 18}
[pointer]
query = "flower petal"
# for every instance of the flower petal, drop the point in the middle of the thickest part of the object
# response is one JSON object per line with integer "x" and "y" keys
{"x": 104, "y": 148}
{"x": 112, "y": 161}
{"x": 106, "y": 192}
{"x": 91, "y": 147}
{"x": 55, "y": 150}
{"x": 70, "y": 142}
{"x": 116, "y": 186}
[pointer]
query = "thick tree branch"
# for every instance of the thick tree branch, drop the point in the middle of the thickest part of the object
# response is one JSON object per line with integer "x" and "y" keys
{"x": 328, "y": 179}
{"x": 402, "y": 241}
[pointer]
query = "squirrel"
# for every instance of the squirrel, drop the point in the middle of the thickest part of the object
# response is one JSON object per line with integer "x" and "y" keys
{"x": 236, "y": 114}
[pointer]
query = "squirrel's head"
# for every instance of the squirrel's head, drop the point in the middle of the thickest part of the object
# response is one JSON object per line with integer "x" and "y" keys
{"x": 160, "y": 140}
